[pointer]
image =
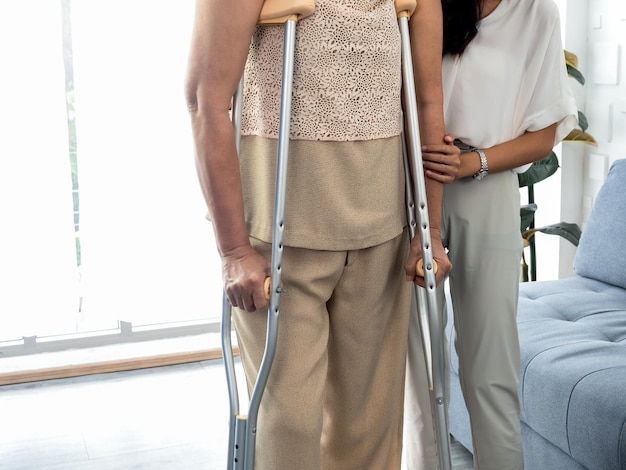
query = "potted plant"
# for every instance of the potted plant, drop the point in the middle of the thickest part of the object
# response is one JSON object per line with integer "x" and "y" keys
{"x": 541, "y": 170}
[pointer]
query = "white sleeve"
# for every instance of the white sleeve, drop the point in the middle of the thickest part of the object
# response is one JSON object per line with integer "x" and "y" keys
{"x": 551, "y": 98}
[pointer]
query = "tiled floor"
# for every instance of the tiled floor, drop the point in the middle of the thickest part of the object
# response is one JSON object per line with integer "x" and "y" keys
{"x": 169, "y": 418}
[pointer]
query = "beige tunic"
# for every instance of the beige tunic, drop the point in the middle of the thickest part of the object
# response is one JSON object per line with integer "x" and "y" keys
{"x": 340, "y": 195}
{"x": 345, "y": 181}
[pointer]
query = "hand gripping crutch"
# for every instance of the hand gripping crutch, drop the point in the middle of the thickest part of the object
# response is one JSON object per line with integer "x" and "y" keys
{"x": 242, "y": 428}
{"x": 430, "y": 321}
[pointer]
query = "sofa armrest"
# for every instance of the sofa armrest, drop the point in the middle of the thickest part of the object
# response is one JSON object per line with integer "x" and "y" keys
{"x": 601, "y": 253}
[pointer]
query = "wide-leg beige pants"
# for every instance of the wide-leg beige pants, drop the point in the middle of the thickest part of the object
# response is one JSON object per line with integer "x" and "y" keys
{"x": 335, "y": 391}
{"x": 481, "y": 228}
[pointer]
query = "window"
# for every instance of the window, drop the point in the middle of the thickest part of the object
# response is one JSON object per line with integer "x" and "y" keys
{"x": 102, "y": 216}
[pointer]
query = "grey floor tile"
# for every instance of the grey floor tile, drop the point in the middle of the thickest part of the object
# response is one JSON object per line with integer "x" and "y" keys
{"x": 170, "y": 418}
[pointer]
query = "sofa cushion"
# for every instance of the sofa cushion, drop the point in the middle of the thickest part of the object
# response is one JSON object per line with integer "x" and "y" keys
{"x": 573, "y": 367}
{"x": 597, "y": 255}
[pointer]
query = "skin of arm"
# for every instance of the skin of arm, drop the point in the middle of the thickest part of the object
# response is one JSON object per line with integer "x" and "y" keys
{"x": 426, "y": 28}
{"x": 219, "y": 47}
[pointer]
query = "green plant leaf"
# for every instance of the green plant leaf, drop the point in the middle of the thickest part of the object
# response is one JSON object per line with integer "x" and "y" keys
{"x": 539, "y": 171}
{"x": 571, "y": 232}
{"x": 582, "y": 121}
{"x": 575, "y": 74}
{"x": 527, "y": 215}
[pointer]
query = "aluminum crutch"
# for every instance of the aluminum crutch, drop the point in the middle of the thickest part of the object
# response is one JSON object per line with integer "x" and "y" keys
{"x": 242, "y": 428}
{"x": 417, "y": 213}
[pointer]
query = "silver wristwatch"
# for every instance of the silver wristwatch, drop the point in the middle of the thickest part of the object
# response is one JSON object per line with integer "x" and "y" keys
{"x": 484, "y": 169}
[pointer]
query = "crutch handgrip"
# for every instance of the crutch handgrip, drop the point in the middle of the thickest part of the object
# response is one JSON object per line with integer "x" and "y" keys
{"x": 405, "y": 7}
{"x": 281, "y": 11}
{"x": 419, "y": 268}
{"x": 267, "y": 285}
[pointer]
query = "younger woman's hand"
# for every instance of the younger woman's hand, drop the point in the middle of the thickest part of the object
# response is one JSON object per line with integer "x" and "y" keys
{"x": 442, "y": 161}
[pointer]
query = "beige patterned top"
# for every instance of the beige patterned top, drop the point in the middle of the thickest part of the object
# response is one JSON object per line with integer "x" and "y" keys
{"x": 347, "y": 76}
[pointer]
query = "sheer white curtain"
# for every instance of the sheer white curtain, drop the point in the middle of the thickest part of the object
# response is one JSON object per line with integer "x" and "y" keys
{"x": 148, "y": 252}
{"x": 38, "y": 274}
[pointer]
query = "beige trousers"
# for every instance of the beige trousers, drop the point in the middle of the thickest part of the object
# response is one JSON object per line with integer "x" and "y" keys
{"x": 481, "y": 229}
{"x": 335, "y": 391}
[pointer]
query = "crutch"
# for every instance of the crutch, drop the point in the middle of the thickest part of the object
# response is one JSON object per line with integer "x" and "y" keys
{"x": 242, "y": 428}
{"x": 417, "y": 214}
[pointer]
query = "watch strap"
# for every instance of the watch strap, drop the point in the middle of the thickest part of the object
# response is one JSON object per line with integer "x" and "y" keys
{"x": 484, "y": 168}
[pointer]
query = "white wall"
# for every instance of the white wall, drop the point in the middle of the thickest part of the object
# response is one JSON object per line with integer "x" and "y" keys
{"x": 595, "y": 30}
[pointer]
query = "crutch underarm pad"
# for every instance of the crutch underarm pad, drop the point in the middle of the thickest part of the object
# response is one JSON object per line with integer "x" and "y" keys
{"x": 406, "y": 7}
{"x": 280, "y": 11}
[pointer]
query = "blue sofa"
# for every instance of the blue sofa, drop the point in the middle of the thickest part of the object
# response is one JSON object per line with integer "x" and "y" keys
{"x": 573, "y": 351}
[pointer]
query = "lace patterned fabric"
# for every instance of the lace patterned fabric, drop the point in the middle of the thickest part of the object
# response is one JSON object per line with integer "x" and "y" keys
{"x": 347, "y": 76}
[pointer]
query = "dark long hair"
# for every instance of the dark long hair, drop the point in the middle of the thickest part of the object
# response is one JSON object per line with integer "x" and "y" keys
{"x": 460, "y": 19}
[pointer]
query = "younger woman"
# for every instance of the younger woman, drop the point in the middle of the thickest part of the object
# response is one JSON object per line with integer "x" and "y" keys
{"x": 506, "y": 97}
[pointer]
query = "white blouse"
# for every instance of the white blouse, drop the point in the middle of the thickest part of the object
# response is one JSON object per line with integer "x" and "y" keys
{"x": 511, "y": 78}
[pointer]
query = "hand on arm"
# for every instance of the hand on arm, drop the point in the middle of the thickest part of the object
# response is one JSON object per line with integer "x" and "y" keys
{"x": 426, "y": 46}
{"x": 219, "y": 47}
{"x": 527, "y": 148}
{"x": 442, "y": 162}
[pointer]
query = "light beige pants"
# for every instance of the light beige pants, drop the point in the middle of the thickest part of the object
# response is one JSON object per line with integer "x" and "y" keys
{"x": 481, "y": 228}
{"x": 335, "y": 391}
